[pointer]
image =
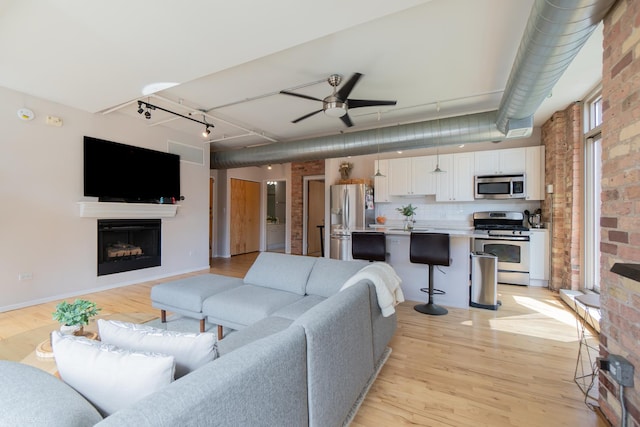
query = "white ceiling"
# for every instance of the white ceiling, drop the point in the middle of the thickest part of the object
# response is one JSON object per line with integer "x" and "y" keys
{"x": 231, "y": 58}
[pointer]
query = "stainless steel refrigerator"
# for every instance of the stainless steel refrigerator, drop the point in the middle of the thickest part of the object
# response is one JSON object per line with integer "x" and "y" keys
{"x": 351, "y": 209}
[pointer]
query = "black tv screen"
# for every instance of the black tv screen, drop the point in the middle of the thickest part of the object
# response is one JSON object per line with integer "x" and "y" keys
{"x": 119, "y": 172}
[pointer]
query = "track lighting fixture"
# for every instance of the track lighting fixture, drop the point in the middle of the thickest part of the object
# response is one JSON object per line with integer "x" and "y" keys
{"x": 378, "y": 173}
{"x": 147, "y": 115}
{"x": 437, "y": 169}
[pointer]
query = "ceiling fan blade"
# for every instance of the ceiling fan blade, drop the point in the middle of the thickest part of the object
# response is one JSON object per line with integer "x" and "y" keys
{"x": 356, "y": 103}
{"x": 346, "y": 120}
{"x": 311, "y": 98}
{"x": 306, "y": 116}
{"x": 346, "y": 89}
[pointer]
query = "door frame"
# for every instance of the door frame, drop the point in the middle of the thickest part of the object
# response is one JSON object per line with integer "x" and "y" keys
{"x": 264, "y": 211}
{"x": 305, "y": 207}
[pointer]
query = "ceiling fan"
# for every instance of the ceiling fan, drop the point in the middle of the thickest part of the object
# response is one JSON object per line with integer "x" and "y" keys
{"x": 338, "y": 103}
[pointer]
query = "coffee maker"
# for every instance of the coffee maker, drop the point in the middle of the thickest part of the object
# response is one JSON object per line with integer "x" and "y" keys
{"x": 534, "y": 219}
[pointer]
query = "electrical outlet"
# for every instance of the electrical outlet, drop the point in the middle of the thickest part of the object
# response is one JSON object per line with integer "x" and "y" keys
{"x": 621, "y": 369}
{"x": 25, "y": 276}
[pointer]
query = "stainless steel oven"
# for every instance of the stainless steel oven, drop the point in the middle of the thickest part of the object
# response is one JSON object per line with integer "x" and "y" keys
{"x": 513, "y": 257}
{"x": 503, "y": 234}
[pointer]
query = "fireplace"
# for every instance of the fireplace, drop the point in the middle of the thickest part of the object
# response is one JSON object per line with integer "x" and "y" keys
{"x": 128, "y": 244}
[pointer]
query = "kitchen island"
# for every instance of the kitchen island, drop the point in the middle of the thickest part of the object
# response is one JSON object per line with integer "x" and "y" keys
{"x": 454, "y": 279}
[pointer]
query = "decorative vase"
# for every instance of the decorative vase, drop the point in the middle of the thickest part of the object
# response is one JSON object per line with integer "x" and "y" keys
{"x": 408, "y": 223}
{"x": 71, "y": 329}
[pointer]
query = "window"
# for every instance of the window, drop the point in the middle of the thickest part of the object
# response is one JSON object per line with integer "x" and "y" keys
{"x": 592, "y": 190}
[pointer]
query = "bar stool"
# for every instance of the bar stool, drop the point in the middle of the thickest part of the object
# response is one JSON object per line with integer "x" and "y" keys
{"x": 371, "y": 246}
{"x": 431, "y": 249}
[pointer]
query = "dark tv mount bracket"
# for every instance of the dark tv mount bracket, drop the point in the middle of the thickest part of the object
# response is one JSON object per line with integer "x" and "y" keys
{"x": 161, "y": 201}
{"x": 142, "y": 105}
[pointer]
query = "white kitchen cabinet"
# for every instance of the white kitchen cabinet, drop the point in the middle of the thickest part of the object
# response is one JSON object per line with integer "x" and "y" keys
{"x": 381, "y": 183}
{"x": 399, "y": 177}
{"x": 500, "y": 162}
{"x": 456, "y": 183}
{"x": 411, "y": 176}
{"x": 539, "y": 268}
{"x": 534, "y": 173}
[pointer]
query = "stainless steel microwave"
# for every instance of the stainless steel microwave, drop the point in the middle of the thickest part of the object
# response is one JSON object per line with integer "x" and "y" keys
{"x": 500, "y": 187}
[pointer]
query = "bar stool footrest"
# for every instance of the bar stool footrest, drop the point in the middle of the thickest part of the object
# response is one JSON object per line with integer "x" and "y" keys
{"x": 435, "y": 291}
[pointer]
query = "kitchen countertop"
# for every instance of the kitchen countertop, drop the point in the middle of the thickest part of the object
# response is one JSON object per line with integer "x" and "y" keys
{"x": 454, "y": 230}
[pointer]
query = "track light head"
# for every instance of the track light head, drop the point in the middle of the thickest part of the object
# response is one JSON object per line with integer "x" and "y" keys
{"x": 140, "y": 110}
{"x": 147, "y": 115}
{"x": 206, "y": 132}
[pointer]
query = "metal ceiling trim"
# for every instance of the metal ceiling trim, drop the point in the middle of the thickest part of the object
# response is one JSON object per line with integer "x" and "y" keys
{"x": 555, "y": 33}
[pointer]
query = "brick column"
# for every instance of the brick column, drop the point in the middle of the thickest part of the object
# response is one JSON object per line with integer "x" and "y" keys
{"x": 562, "y": 137}
{"x": 298, "y": 172}
{"x": 620, "y": 221}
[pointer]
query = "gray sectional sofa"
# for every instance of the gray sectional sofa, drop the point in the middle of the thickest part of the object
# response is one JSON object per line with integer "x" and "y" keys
{"x": 302, "y": 353}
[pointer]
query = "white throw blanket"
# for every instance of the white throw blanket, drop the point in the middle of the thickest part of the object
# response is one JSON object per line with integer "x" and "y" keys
{"x": 386, "y": 282}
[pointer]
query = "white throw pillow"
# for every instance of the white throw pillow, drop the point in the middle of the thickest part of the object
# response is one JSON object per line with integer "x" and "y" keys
{"x": 191, "y": 350}
{"x": 109, "y": 377}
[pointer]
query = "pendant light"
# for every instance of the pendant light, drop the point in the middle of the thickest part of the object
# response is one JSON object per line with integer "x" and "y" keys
{"x": 378, "y": 173}
{"x": 437, "y": 169}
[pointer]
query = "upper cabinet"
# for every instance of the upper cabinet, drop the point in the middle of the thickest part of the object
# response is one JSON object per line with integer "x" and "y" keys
{"x": 455, "y": 184}
{"x": 381, "y": 187}
{"x": 534, "y": 173}
{"x": 411, "y": 176}
{"x": 500, "y": 162}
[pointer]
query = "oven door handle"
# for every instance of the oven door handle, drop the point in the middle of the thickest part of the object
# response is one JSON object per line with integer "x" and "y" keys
{"x": 506, "y": 238}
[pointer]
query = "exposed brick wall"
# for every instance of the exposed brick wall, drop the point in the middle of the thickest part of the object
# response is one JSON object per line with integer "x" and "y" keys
{"x": 298, "y": 172}
{"x": 620, "y": 221}
{"x": 562, "y": 138}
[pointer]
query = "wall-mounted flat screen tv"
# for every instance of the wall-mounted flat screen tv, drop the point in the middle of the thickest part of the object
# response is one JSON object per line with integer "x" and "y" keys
{"x": 124, "y": 173}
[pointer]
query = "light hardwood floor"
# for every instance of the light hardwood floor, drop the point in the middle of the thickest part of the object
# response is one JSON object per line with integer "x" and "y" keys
{"x": 472, "y": 367}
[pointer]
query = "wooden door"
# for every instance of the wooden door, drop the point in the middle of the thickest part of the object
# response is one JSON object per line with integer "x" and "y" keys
{"x": 245, "y": 216}
{"x": 315, "y": 217}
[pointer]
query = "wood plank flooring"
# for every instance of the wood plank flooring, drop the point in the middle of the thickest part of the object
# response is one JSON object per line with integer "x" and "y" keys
{"x": 511, "y": 367}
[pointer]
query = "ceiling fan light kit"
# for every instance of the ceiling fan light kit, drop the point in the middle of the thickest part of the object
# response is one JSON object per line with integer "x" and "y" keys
{"x": 338, "y": 103}
{"x": 335, "y": 109}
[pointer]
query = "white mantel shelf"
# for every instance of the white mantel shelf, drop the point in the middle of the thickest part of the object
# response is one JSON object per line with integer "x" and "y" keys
{"x": 126, "y": 210}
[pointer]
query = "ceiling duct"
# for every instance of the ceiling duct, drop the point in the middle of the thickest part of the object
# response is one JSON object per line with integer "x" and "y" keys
{"x": 555, "y": 32}
{"x": 463, "y": 129}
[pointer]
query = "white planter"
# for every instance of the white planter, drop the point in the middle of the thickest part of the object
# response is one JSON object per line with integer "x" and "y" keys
{"x": 71, "y": 330}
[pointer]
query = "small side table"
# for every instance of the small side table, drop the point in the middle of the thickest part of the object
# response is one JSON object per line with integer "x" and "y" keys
{"x": 587, "y": 369}
{"x": 45, "y": 351}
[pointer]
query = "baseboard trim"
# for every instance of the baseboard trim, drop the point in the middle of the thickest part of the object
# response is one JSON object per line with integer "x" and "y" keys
{"x": 79, "y": 292}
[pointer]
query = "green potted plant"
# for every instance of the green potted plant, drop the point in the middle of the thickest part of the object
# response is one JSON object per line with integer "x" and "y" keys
{"x": 73, "y": 316}
{"x": 408, "y": 212}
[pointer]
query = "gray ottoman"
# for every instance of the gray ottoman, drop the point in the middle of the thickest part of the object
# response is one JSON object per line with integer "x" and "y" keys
{"x": 185, "y": 296}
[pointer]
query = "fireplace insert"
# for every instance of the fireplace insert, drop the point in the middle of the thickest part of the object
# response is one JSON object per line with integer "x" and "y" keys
{"x": 128, "y": 244}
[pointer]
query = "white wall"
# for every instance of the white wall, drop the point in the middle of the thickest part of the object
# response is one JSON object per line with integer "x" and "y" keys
{"x": 41, "y": 181}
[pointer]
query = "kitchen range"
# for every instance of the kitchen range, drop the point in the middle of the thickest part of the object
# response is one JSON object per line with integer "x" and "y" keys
{"x": 504, "y": 235}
